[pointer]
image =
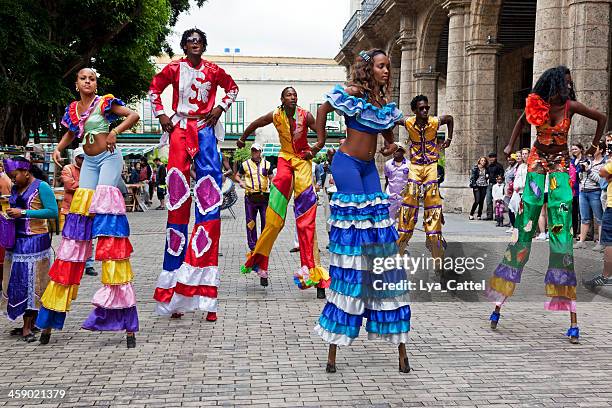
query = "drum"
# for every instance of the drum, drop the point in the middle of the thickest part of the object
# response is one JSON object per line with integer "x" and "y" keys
{"x": 229, "y": 194}
{"x": 7, "y": 231}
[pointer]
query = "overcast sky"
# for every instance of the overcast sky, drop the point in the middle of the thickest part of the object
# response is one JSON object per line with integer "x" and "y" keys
{"x": 299, "y": 28}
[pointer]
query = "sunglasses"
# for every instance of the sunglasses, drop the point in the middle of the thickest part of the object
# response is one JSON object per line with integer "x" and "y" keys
{"x": 426, "y": 108}
{"x": 194, "y": 40}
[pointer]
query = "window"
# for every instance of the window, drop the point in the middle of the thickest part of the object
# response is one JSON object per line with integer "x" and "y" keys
{"x": 234, "y": 119}
{"x": 313, "y": 109}
{"x": 150, "y": 124}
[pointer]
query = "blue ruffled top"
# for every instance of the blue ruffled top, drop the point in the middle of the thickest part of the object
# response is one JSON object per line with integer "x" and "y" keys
{"x": 362, "y": 115}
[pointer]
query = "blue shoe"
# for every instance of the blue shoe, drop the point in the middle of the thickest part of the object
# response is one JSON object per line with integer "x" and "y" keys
{"x": 574, "y": 335}
{"x": 494, "y": 319}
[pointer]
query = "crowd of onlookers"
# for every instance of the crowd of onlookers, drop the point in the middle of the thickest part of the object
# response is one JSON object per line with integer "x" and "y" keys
{"x": 501, "y": 190}
{"x": 151, "y": 179}
{"x": 589, "y": 175}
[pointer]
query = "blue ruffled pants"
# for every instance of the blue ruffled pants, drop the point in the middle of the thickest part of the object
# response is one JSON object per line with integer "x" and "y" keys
{"x": 361, "y": 236}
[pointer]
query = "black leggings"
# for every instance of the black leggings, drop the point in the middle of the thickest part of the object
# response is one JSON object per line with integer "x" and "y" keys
{"x": 480, "y": 193}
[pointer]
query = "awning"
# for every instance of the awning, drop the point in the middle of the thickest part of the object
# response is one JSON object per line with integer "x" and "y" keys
{"x": 273, "y": 149}
{"x": 135, "y": 149}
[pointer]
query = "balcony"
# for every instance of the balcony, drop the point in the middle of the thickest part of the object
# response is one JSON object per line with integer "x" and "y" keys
{"x": 360, "y": 16}
{"x": 368, "y": 6}
{"x": 351, "y": 27}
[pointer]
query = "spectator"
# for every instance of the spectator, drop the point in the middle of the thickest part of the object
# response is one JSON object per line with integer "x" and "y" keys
{"x": 495, "y": 169}
{"x": 605, "y": 278}
{"x": 5, "y": 181}
{"x": 160, "y": 178}
{"x": 509, "y": 176}
{"x": 145, "y": 179}
{"x": 135, "y": 174}
{"x": 590, "y": 195}
{"x": 499, "y": 192}
{"x": 479, "y": 182}
{"x": 542, "y": 220}
{"x": 577, "y": 152}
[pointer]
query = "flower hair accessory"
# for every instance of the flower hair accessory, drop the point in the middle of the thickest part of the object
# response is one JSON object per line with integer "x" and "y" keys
{"x": 365, "y": 56}
{"x": 537, "y": 110}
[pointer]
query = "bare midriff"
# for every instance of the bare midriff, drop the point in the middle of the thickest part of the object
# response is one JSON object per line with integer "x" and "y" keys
{"x": 360, "y": 145}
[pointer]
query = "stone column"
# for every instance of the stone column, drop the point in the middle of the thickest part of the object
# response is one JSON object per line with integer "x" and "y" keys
{"x": 407, "y": 42}
{"x": 456, "y": 196}
{"x": 482, "y": 102}
{"x": 548, "y": 36}
{"x": 427, "y": 84}
{"x": 588, "y": 56}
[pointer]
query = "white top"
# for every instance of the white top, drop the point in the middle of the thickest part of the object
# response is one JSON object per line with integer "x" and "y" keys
{"x": 498, "y": 191}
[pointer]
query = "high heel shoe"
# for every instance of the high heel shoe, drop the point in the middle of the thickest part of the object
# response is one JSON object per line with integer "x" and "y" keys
{"x": 263, "y": 282}
{"x": 211, "y": 317}
{"x": 494, "y": 319}
{"x": 131, "y": 341}
{"x": 406, "y": 368}
{"x": 574, "y": 335}
{"x": 331, "y": 368}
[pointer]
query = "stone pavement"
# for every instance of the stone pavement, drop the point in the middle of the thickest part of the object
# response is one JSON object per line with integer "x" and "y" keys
{"x": 261, "y": 351}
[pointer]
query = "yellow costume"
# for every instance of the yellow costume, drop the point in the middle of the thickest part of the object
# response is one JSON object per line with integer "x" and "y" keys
{"x": 422, "y": 181}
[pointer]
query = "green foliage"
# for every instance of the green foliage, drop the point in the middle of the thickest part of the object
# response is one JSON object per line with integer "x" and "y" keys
{"x": 43, "y": 44}
{"x": 320, "y": 158}
{"x": 242, "y": 154}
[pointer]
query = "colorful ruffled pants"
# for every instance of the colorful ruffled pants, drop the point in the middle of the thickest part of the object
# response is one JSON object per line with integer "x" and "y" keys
{"x": 423, "y": 180}
{"x": 97, "y": 211}
{"x": 190, "y": 275}
{"x": 26, "y": 274}
{"x": 362, "y": 236}
{"x": 560, "y": 279}
{"x": 293, "y": 175}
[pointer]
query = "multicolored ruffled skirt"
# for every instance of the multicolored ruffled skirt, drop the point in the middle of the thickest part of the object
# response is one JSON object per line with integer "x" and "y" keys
{"x": 362, "y": 237}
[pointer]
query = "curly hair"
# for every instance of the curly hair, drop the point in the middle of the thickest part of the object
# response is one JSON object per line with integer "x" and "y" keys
{"x": 362, "y": 77}
{"x": 552, "y": 82}
{"x": 187, "y": 33}
{"x": 416, "y": 100}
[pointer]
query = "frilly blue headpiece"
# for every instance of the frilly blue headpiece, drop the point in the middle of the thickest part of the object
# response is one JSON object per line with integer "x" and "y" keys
{"x": 365, "y": 56}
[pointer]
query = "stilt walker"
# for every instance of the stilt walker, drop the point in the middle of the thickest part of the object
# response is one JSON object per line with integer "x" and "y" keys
{"x": 550, "y": 109}
{"x": 362, "y": 234}
{"x": 423, "y": 177}
{"x": 294, "y": 175}
{"x": 190, "y": 275}
{"x": 97, "y": 211}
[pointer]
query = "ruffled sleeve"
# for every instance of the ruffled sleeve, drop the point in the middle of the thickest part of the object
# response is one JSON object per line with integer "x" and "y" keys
{"x": 70, "y": 119}
{"x": 107, "y": 104}
{"x": 364, "y": 112}
{"x": 537, "y": 111}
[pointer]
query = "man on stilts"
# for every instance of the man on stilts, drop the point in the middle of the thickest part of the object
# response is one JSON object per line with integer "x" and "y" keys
{"x": 423, "y": 178}
{"x": 294, "y": 174}
{"x": 190, "y": 275}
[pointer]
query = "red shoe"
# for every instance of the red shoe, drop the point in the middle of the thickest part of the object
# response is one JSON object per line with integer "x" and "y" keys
{"x": 211, "y": 317}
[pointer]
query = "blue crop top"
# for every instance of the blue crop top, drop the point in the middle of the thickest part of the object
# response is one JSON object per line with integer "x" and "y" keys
{"x": 361, "y": 115}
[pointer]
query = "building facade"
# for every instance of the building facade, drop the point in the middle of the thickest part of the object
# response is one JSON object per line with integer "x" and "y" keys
{"x": 477, "y": 60}
{"x": 261, "y": 80}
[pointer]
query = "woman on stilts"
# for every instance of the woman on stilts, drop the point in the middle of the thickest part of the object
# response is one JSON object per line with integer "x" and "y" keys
{"x": 97, "y": 211}
{"x": 550, "y": 108}
{"x": 361, "y": 231}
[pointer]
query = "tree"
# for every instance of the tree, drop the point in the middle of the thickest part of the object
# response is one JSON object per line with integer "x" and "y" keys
{"x": 44, "y": 43}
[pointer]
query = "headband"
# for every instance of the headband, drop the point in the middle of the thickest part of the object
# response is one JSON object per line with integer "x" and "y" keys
{"x": 12, "y": 165}
{"x": 365, "y": 56}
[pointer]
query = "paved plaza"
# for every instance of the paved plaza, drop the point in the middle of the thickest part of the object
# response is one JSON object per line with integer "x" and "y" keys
{"x": 261, "y": 351}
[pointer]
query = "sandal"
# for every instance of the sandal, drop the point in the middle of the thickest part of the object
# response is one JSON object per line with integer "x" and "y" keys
{"x": 30, "y": 338}
{"x": 331, "y": 368}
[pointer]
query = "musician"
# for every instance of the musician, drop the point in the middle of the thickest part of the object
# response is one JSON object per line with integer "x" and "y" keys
{"x": 257, "y": 178}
